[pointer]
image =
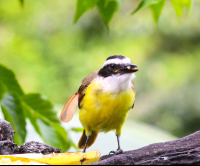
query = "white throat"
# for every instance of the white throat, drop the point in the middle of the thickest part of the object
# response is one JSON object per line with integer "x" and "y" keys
{"x": 116, "y": 83}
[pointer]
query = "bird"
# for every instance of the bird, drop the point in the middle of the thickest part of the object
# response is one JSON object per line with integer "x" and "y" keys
{"x": 104, "y": 99}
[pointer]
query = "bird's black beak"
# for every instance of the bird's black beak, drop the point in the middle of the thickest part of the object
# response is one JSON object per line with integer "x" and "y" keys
{"x": 127, "y": 69}
{"x": 132, "y": 68}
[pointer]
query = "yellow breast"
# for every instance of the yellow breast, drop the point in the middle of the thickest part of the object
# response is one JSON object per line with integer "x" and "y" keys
{"x": 104, "y": 110}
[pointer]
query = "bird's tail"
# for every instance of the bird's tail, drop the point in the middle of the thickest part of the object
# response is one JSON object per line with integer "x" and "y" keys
{"x": 82, "y": 141}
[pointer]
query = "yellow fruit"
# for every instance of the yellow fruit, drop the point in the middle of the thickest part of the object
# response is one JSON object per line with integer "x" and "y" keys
{"x": 66, "y": 158}
{"x": 13, "y": 160}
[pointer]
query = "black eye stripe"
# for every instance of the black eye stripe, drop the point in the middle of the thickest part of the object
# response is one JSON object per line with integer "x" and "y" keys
{"x": 118, "y": 66}
{"x": 110, "y": 69}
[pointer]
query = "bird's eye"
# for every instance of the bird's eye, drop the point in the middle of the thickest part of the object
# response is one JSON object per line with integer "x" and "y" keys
{"x": 112, "y": 65}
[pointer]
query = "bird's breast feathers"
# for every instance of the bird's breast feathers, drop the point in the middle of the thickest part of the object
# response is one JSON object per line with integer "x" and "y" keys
{"x": 106, "y": 104}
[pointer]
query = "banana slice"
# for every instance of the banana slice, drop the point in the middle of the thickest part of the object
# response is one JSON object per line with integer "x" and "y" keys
{"x": 13, "y": 160}
{"x": 66, "y": 158}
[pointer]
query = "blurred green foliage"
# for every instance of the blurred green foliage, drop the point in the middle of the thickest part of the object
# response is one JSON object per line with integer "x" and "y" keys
{"x": 107, "y": 8}
{"x": 51, "y": 55}
{"x": 22, "y": 2}
{"x": 17, "y": 106}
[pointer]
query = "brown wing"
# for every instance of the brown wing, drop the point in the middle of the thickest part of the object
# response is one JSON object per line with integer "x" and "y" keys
{"x": 71, "y": 106}
{"x": 69, "y": 109}
{"x": 133, "y": 88}
{"x": 86, "y": 81}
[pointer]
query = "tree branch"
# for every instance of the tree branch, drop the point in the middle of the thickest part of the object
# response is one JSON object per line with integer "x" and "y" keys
{"x": 185, "y": 150}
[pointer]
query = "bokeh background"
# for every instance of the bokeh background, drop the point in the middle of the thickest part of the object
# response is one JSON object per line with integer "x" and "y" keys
{"x": 51, "y": 55}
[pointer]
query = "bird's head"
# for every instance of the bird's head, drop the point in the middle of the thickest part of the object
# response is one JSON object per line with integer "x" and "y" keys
{"x": 117, "y": 65}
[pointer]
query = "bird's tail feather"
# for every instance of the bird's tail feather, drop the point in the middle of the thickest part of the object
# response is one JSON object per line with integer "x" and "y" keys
{"x": 82, "y": 141}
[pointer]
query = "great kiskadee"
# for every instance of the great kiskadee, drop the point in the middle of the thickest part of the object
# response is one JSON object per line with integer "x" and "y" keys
{"x": 104, "y": 99}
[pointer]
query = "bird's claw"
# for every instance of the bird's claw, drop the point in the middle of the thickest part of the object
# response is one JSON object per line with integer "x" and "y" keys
{"x": 118, "y": 151}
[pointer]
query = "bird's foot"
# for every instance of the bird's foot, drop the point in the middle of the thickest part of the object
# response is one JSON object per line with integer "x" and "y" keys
{"x": 118, "y": 151}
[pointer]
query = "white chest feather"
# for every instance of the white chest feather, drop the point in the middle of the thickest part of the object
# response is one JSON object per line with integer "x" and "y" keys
{"x": 116, "y": 83}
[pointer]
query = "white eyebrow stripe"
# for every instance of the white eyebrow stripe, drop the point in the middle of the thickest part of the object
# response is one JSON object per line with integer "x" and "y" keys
{"x": 117, "y": 61}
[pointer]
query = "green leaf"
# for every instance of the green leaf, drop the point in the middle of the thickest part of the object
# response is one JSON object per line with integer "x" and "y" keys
{"x": 54, "y": 135}
{"x": 21, "y": 2}
{"x": 16, "y": 107}
{"x": 82, "y": 6}
{"x": 178, "y": 6}
{"x": 7, "y": 77}
{"x": 107, "y": 9}
{"x": 156, "y": 9}
{"x": 45, "y": 121}
{"x": 40, "y": 104}
{"x": 145, "y": 3}
{"x": 32, "y": 116}
{"x": 13, "y": 113}
{"x": 64, "y": 141}
{"x": 77, "y": 129}
{"x": 2, "y": 90}
{"x": 49, "y": 134}
{"x": 10, "y": 91}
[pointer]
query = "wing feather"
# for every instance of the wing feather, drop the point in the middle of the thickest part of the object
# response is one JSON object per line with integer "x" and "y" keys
{"x": 85, "y": 82}
{"x": 75, "y": 100}
{"x": 69, "y": 109}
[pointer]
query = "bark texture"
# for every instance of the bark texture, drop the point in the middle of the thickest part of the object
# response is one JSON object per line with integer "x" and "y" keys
{"x": 185, "y": 150}
{"x": 7, "y": 146}
{"x": 37, "y": 147}
{"x": 6, "y": 131}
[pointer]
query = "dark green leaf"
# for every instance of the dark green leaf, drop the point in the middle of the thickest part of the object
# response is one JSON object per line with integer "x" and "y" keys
{"x": 107, "y": 9}
{"x": 64, "y": 142}
{"x": 82, "y": 6}
{"x": 7, "y": 77}
{"x": 78, "y": 129}
{"x": 145, "y": 3}
{"x": 156, "y": 9}
{"x": 13, "y": 112}
{"x": 32, "y": 116}
{"x": 40, "y": 104}
{"x": 2, "y": 90}
{"x": 45, "y": 121}
{"x": 49, "y": 134}
{"x": 54, "y": 135}
{"x": 36, "y": 107}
